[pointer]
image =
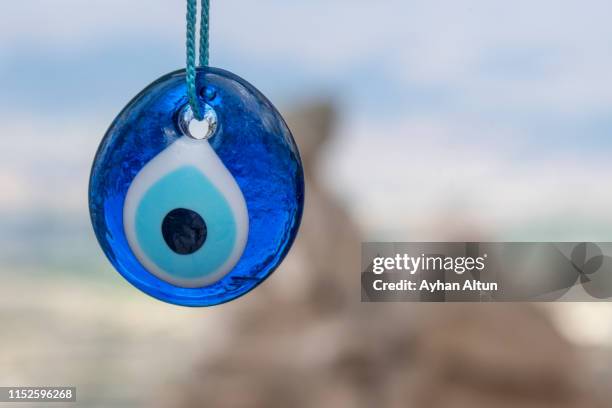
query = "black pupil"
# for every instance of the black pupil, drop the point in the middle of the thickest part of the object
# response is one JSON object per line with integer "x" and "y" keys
{"x": 184, "y": 231}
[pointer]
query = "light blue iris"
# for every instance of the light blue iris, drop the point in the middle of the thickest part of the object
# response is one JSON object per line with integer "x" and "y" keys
{"x": 186, "y": 188}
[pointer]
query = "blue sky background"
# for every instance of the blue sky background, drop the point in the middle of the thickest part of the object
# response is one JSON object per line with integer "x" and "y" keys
{"x": 474, "y": 117}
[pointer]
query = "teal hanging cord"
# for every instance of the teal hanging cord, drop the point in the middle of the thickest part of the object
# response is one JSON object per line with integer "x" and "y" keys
{"x": 192, "y": 11}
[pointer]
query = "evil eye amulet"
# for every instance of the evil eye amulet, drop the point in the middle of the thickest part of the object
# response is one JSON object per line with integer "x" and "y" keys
{"x": 197, "y": 219}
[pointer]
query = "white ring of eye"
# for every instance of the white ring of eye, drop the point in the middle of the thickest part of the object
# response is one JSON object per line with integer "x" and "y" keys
{"x": 197, "y": 153}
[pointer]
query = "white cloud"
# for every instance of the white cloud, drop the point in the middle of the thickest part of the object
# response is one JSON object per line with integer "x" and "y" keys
{"x": 553, "y": 57}
{"x": 424, "y": 173}
{"x": 44, "y": 166}
{"x": 453, "y": 46}
{"x": 64, "y": 24}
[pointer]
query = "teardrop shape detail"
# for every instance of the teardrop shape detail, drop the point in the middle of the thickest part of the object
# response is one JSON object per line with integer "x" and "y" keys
{"x": 197, "y": 221}
{"x": 187, "y": 175}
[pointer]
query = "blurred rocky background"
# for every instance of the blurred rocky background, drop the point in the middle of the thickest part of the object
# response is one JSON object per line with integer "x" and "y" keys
{"x": 425, "y": 120}
{"x": 304, "y": 341}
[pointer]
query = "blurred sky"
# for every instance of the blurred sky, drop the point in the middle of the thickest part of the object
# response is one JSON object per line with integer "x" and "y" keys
{"x": 478, "y": 112}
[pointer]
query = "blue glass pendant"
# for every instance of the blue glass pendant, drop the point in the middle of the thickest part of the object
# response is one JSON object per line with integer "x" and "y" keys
{"x": 197, "y": 220}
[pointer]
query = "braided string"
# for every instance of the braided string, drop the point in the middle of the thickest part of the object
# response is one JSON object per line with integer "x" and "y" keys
{"x": 204, "y": 32}
{"x": 192, "y": 10}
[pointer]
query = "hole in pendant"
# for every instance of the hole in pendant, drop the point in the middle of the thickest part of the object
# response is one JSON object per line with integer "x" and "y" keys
{"x": 198, "y": 129}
